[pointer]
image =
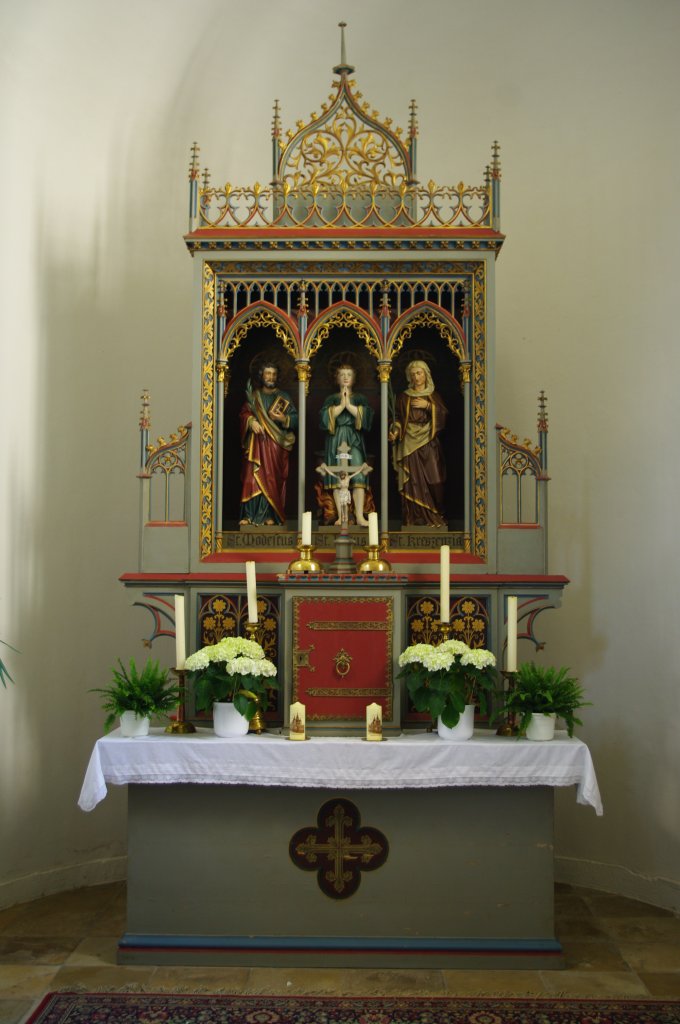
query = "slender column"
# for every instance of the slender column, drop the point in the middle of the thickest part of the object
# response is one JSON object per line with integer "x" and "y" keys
{"x": 193, "y": 187}
{"x": 304, "y": 373}
{"x": 384, "y": 373}
{"x": 496, "y": 186}
{"x": 467, "y": 466}
{"x": 384, "y": 367}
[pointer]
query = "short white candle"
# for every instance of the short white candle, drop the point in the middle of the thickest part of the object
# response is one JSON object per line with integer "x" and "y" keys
{"x": 251, "y": 589}
{"x": 444, "y": 583}
{"x": 373, "y": 540}
{"x": 180, "y": 632}
{"x": 511, "y": 655}
{"x": 306, "y": 529}
{"x": 296, "y": 721}
{"x": 374, "y": 722}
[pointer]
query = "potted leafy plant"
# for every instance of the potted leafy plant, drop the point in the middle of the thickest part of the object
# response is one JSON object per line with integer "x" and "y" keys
{"x": 135, "y": 696}
{"x": 232, "y": 678}
{"x": 447, "y": 682}
{"x": 541, "y": 694}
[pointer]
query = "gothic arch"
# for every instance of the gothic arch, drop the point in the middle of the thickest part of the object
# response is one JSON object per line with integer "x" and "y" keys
{"x": 427, "y": 314}
{"x": 343, "y": 314}
{"x": 259, "y": 314}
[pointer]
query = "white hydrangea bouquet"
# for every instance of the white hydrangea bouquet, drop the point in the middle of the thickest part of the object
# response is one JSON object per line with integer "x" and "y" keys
{"x": 442, "y": 680}
{"x": 234, "y": 670}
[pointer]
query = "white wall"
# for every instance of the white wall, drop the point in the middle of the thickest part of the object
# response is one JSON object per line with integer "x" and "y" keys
{"x": 101, "y": 103}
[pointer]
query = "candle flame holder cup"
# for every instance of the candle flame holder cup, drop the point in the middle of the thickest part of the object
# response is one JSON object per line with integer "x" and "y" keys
{"x": 180, "y": 727}
{"x": 375, "y": 562}
{"x": 443, "y": 632}
{"x": 508, "y": 726}
{"x": 306, "y": 562}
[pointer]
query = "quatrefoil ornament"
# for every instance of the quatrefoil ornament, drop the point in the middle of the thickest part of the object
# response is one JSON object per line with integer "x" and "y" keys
{"x": 338, "y": 849}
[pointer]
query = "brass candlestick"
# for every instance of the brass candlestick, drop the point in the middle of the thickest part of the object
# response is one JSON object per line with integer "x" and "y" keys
{"x": 443, "y": 630}
{"x": 374, "y": 562}
{"x": 305, "y": 563}
{"x": 180, "y": 727}
{"x": 257, "y": 722}
{"x": 508, "y": 726}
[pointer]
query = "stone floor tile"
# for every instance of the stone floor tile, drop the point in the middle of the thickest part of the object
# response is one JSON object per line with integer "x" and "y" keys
{"x": 593, "y": 955}
{"x": 578, "y": 928}
{"x": 200, "y": 979}
{"x": 494, "y": 983}
{"x": 297, "y": 980}
{"x": 395, "y": 981}
{"x": 94, "y": 951}
{"x": 651, "y": 956}
{"x": 13, "y": 1011}
{"x": 55, "y": 921}
{"x": 20, "y": 949}
{"x": 662, "y": 985}
{"x": 101, "y": 977}
{"x": 21, "y": 981}
{"x": 598, "y": 984}
{"x": 642, "y": 929}
{"x": 604, "y": 905}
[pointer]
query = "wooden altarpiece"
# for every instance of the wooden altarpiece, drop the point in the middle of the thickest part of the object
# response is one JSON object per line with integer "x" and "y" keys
{"x": 346, "y": 256}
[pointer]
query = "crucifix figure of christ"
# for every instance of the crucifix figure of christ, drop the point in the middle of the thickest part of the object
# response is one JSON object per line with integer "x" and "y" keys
{"x": 344, "y": 476}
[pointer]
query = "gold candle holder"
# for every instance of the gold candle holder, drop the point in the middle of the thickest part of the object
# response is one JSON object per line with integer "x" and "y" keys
{"x": 180, "y": 727}
{"x": 444, "y": 631}
{"x": 257, "y": 722}
{"x": 508, "y": 727}
{"x": 305, "y": 563}
{"x": 375, "y": 561}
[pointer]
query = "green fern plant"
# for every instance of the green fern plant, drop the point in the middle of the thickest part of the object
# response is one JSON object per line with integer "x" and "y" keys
{"x": 147, "y": 693}
{"x": 545, "y": 690}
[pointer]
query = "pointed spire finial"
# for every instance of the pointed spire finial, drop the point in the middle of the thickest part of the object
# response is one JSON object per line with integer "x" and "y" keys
{"x": 206, "y": 177}
{"x": 413, "y": 120}
{"x": 543, "y": 412}
{"x": 495, "y": 160}
{"x": 193, "y": 166}
{"x": 276, "y": 121}
{"x": 343, "y": 68}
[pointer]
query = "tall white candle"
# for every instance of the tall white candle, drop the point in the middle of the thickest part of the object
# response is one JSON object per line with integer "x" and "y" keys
{"x": 444, "y": 583}
{"x": 251, "y": 590}
{"x": 373, "y": 540}
{"x": 180, "y": 632}
{"x": 307, "y": 529}
{"x": 511, "y": 655}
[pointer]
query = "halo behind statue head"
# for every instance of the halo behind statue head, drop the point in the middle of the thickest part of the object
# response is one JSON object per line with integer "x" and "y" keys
{"x": 413, "y": 355}
{"x": 343, "y": 359}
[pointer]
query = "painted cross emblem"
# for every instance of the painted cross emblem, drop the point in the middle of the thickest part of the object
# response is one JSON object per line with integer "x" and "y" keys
{"x": 338, "y": 849}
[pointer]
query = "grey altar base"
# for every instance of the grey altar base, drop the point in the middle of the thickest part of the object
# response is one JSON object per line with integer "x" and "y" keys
{"x": 468, "y": 881}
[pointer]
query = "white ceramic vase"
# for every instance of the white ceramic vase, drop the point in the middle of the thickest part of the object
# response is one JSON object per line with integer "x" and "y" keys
{"x": 227, "y": 721}
{"x": 541, "y": 727}
{"x": 132, "y": 724}
{"x": 464, "y": 728}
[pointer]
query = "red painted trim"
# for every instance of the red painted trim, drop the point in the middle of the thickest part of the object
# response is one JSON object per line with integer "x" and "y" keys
{"x": 160, "y": 522}
{"x": 520, "y": 526}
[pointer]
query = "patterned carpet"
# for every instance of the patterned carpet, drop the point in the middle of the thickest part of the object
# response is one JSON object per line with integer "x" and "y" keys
{"x": 170, "y": 1008}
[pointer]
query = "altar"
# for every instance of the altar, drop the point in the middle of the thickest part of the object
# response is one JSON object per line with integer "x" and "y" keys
{"x": 411, "y": 852}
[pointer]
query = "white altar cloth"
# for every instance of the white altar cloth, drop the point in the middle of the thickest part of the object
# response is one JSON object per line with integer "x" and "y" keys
{"x": 413, "y": 761}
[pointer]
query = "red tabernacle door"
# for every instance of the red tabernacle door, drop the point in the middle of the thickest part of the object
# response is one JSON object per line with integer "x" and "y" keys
{"x": 342, "y": 656}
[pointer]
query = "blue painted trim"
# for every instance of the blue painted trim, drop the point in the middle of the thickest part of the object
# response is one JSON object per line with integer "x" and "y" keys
{"x": 283, "y": 943}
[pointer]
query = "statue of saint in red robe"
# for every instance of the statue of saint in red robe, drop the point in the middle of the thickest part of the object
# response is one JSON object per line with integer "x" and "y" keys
{"x": 268, "y": 421}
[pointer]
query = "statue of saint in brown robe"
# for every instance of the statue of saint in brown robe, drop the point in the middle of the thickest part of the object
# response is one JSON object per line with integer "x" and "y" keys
{"x": 417, "y": 455}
